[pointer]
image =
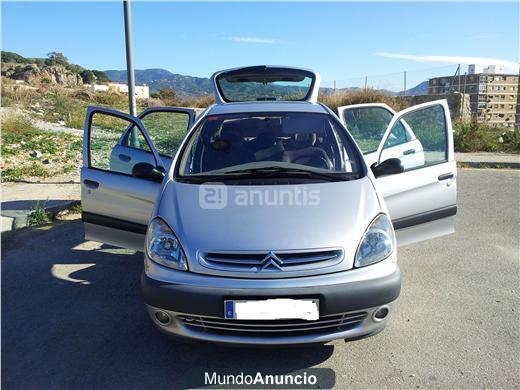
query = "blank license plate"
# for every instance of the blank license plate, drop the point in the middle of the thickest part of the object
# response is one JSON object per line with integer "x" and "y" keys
{"x": 273, "y": 309}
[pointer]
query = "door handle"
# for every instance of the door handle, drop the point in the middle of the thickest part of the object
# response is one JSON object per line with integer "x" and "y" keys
{"x": 409, "y": 151}
{"x": 124, "y": 157}
{"x": 91, "y": 184}
{"x": 446, "y": 176}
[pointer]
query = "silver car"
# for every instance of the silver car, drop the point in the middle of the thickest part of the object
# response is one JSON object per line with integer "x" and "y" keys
{"x": 261, "y": 221}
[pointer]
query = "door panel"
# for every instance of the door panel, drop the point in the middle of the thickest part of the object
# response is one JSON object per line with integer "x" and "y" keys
{"x": 410, "y": 153}
{"x": 116, "y": 205}
{"x": 422, "y": 201}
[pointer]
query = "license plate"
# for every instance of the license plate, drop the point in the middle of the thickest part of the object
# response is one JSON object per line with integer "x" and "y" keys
{"x": 272, "y": 309}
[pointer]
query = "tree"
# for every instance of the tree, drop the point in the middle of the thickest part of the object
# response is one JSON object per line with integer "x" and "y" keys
{"x": 8, "y": 56}
{"x": 101, "y": 77}
{"x": 167, "y": 94}
{"x": 56, "y": 58}
{"x": 87, "y": 76}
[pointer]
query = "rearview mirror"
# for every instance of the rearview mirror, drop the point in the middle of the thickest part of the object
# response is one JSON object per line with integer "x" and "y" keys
{"x": 147, "y": 171}
{"x": 391, "y": 166}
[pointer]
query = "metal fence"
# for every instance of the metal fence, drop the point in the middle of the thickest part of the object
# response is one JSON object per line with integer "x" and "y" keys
{"x": 409, "y": 82}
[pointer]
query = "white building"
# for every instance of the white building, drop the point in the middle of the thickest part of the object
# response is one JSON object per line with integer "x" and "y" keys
{"x": 490, "y": 69}
{"x": 141, "y": 91}
{"x": 99, "y": 87}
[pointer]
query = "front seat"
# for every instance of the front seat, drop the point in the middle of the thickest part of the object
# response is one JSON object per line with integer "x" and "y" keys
{"x": 301, "y": 150}
{"x": 227, "y": 148}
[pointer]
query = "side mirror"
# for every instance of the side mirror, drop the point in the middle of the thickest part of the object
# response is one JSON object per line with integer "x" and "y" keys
{"x": 147, "y": 171}
{"x": 391, "y": 166}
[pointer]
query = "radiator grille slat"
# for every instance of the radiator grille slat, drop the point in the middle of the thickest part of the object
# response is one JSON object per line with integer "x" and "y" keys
{"x": 273, "y": 327}
{"x": 271, "y": 261}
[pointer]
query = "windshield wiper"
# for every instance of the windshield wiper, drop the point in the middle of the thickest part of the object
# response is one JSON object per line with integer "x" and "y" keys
{"x": 277, "y": 170}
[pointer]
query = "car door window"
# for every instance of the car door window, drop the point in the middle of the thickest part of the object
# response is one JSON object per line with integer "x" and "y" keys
{"x": 367, "y": 125}
{"x": 428, "y": 146}
{"x": 398, "y": 136}
{"x": 167, "y": 129}
{"x": 109, "y": 151}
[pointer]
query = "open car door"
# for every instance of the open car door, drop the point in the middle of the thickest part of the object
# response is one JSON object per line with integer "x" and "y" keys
{"x": 421, "y": 200}
{"x": 123, "y": 170}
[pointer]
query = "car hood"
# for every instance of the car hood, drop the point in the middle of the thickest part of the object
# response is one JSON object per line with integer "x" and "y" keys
{"x": 267, "y": 218}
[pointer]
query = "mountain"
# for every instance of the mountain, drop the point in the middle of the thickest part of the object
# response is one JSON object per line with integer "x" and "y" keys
{"x": 157, "y": 79}
{"x": 419, "y": 89}
{"x": 185, "y": 86}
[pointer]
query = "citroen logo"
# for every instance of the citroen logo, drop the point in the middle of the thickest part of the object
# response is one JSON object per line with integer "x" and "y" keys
{"x": 271, "y": 260}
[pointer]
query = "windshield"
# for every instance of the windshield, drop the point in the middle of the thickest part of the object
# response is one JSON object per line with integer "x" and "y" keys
{"x": 261, "y": 83}
{"x": 232, "y": 144}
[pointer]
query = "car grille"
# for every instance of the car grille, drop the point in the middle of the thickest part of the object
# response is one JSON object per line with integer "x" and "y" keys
{"x": 273, "y": 261}
{"x": 274, "y": 328}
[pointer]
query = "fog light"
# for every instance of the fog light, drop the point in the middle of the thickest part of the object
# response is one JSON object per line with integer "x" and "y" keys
{"x": 162, "y": 317}
{"x": 381, "y": 313}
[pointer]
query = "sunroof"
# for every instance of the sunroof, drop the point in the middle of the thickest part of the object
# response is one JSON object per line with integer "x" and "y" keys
{"x": 264, "y": 83}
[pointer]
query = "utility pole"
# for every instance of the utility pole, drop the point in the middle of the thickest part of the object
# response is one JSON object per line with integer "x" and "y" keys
{"x": 366, "y": 81}
{"x": 129, "y": 57}
{"x": 459, "y": 78}
{"x": 404, "y": 90}
{"x": 464, "y": 97}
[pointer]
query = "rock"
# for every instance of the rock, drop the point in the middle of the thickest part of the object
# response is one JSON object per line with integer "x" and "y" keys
{"x": 36, "y": 154}
{"x": 46, "y": 161}
{"x": 61, "y": 123}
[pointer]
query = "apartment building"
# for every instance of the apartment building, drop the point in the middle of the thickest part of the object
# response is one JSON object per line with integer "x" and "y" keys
{"x": 493, "y": 94}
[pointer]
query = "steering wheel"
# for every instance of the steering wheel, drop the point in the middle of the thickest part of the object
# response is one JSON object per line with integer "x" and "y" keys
{"x": 313, "y": 160}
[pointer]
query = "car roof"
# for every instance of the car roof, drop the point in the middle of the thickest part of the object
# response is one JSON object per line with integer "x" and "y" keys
{"x": 278, "y": 106}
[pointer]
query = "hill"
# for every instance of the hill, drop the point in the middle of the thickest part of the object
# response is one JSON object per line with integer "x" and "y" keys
{"x": 157, "y": 79}
{"x": 55, "y": 69}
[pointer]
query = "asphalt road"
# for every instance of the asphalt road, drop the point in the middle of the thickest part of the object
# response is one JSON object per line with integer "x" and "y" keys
{"x": 72, "y": 314}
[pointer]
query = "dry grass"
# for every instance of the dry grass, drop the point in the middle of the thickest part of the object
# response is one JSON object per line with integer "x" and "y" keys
{"x": 196, "y": 102}
{"x": 338, "y": 99}
{"x": 17, "y": 95}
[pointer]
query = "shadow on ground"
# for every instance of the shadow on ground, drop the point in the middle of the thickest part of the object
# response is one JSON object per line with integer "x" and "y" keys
{"x": 73, "y": 317}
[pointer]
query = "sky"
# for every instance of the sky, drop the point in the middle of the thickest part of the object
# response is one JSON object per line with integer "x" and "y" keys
{"x": 343, "y": 41}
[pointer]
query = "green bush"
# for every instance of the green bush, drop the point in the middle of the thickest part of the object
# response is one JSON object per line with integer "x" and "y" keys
{"x": 511, "y": 141}
{"x": 480, "y": 137}
{"x": 39, "y": 215}
{"x": 474, "y": 137}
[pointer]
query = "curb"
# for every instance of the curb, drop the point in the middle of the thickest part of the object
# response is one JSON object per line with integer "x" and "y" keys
{"x": 491, "y": 165}
{"x": 14, "y": 220}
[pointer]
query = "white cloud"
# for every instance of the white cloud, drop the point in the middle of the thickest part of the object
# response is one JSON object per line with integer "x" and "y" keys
{"x": 269, "y": 41}
{"x": 508, "y": 65}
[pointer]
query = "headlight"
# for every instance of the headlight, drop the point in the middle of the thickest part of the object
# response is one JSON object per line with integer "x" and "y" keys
{"x": 377, "y": 243}
{"x": 163, "y": 247}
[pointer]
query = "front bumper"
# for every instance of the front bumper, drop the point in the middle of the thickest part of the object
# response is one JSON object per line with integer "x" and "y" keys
{"x": 347, "y": 304}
